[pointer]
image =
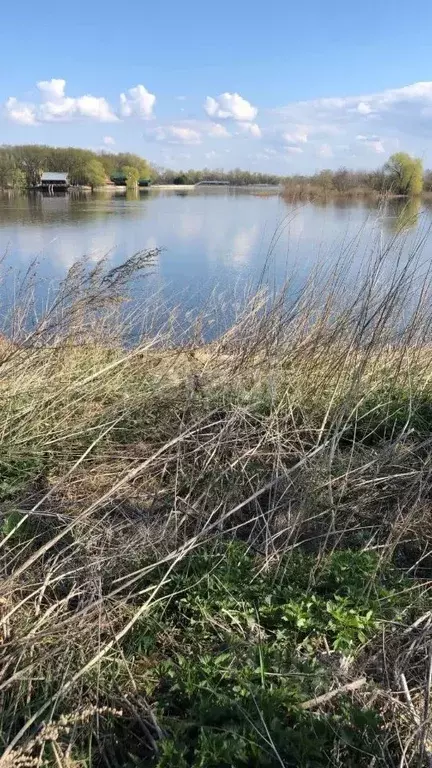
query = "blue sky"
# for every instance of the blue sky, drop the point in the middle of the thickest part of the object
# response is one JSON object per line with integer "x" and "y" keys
{"x": 278, "y": 86}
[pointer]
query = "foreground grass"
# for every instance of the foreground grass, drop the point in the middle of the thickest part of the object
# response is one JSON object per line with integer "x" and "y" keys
{"x": 220, "y": 555}
{"x": 238, "y": 658}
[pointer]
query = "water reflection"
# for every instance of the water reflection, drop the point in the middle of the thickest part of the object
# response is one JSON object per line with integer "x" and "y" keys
{"x": 401, "y": 215}
{"x": 209, "y": 237}
{"x": 244, "y": 244}
{"x": 37, "y": 208}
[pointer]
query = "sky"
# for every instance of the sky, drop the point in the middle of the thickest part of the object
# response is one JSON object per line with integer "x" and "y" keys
{"x": 266, "y": 86}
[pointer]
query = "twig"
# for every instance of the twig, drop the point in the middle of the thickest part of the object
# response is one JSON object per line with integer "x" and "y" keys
{"x": 408, "y": 698}
{"x": 316, "y": 702}
{"x": 425, "y": 747}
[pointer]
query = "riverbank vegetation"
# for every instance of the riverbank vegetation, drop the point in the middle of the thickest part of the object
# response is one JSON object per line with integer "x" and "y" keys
{"x": 21, "y": 167}
{"x": 236, "y": 177}
{"x": 402, "y": 175}
{"x": 219, "y": 554}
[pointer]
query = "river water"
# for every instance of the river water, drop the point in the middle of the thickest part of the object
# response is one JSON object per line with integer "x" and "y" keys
{"x": 215, "y": 241}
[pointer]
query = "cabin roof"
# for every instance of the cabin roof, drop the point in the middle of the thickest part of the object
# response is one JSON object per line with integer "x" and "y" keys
{"x": 48, "y": 176}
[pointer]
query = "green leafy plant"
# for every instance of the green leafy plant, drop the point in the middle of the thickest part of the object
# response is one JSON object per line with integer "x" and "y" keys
{"x": 245, "y": 656}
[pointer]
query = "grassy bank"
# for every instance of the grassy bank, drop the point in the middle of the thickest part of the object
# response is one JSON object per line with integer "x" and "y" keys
{"x": 307, "y": 189}
{"x": 219, "y": 555}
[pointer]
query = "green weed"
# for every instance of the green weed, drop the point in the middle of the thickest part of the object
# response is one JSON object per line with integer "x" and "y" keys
{"x": 242, "y": 648}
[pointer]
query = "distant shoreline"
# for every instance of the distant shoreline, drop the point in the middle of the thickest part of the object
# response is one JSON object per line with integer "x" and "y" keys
{"x": 300, "y": 194}
{"x": 188, "y": 187}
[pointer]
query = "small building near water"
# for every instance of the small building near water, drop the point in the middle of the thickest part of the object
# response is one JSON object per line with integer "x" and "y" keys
{"x": 54, "y": 181}
{"x": 119, "y": 179}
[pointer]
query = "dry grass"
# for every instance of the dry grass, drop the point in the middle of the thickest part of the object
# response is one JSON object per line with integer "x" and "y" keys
{"x": 308, "y": 190}
{"x": 306, "y": 426}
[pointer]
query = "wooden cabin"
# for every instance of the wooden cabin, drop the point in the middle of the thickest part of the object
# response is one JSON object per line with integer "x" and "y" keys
{"x": 54, "y": 181}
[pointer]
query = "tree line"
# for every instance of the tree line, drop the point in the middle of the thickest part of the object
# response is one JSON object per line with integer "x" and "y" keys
{"x": 21, "y": 166}
{"x": 237, "y": 176}
{"x": 400, "y": 175}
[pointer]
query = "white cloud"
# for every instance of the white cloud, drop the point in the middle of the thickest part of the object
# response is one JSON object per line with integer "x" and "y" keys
{"x": 367, "y": 125}
{"x": 55, "y": 106}
{"x": 363, "y": 108}
{"x": 230, "y": 105}
{"x": 19, "y": 112}
{"x": 63, "y": 109}
{"x": 421, "y": 91}
{"x": 298, "y": 136}
{"x": 96, "y": 108}
{"x": 53, "y": 89}
{"x": 400, "y": 115}
{"x": 138, "y": 102}
{"x": 252, "y": 128}
{"x": 188, "y": 132}
{"x": 177, "y": 134}
{"x": 218, "y": 131}
{"x": 210, "y": 155}
{"x": 109, "y": 141}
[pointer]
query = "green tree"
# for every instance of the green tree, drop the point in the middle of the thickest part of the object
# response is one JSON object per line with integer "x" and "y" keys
{"x": 11, "y": 176}
{"x": 109, "y": 162}
{"x": 113, "y": 163}
{"x": 180, "y": 178}
{"x": 88, "y": 173}
{"x": 142, "y": 166}
{"x": 32, "y": 159}
{"x": 82, "y": 165}
{"x": 132, "y": 175}
{"x": 7, "y": 165}
{"x": 17, "y": 179}
{"x": 96, "y": 175}
{"x": 404, "y": 174}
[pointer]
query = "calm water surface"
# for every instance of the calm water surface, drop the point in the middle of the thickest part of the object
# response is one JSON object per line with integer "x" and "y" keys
{"x": 212, "y": 240}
